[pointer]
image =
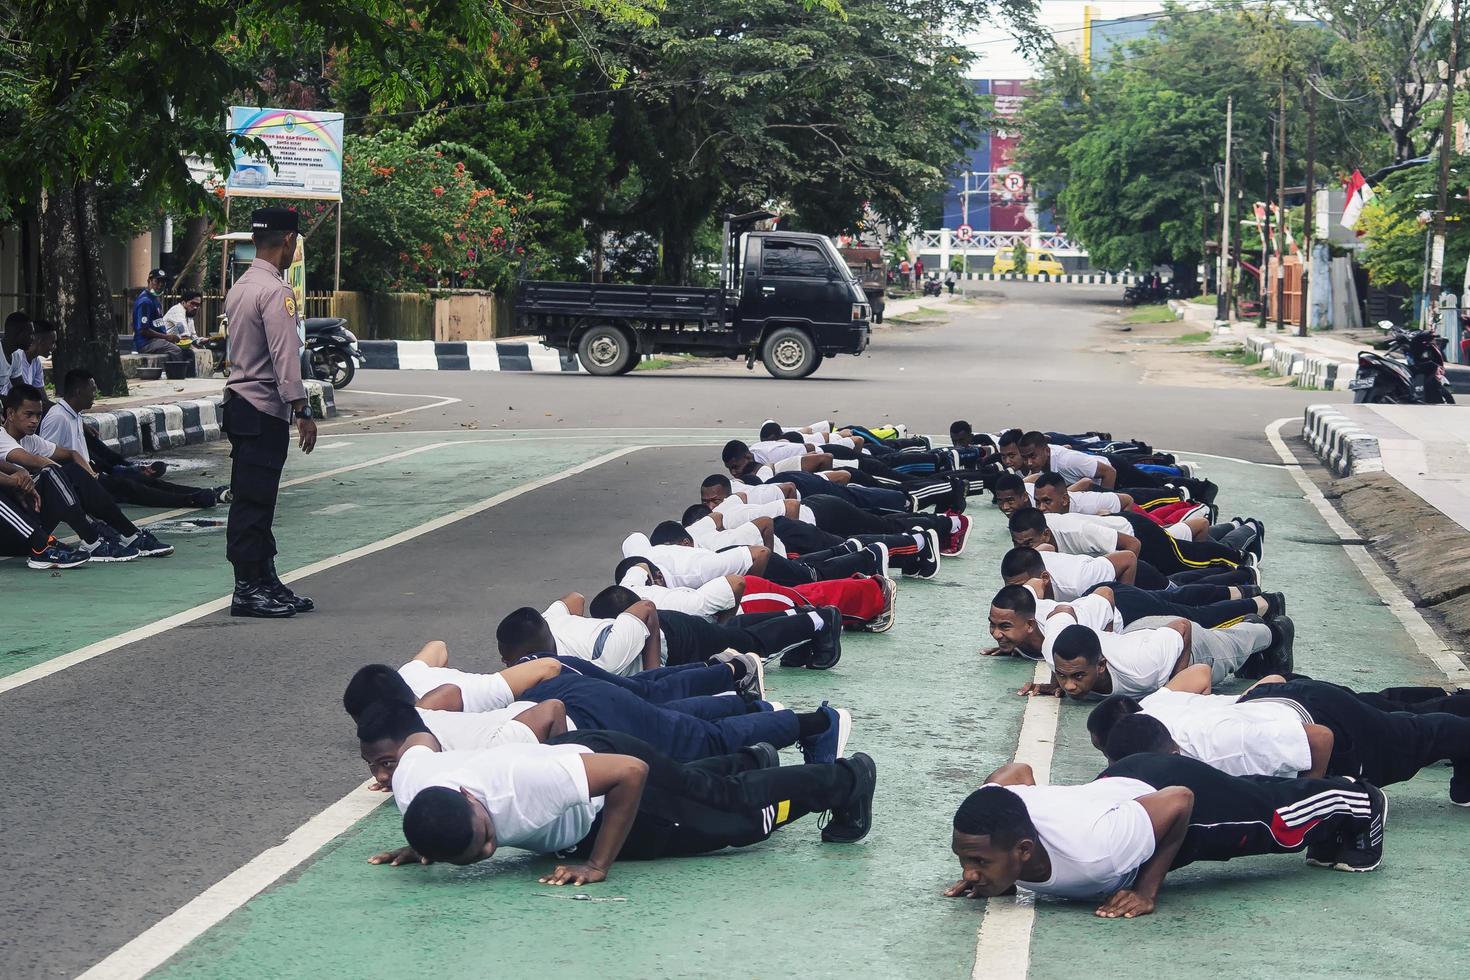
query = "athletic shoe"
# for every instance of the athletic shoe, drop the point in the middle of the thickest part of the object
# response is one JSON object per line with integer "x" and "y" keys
{"x": 849, "y": 547}
{"x": 223, "y": 495}
{"x": 1323, "y": 854}
{"x": 1249, "y": 591}
{"x": 1186, "y": 470}
{"x": 57, "y": 555}
{"x": 772, "y": 705}
{"x": 798, "y": 656}
{"x": 1459, "y": 792}
{"x": 851, "y": 822}
{"x": 827, "y": 745}
{"x": 1278, "y": 656}
{"x": 1260, "y": 528}
{"x": 1365, "y": 851}
{"x": 959, "y": 489}
{"x": 883, "y": 622}
{"x": 827, "y": 644}
{"x": 958, "y": 538}
{"x": 150, "y": 547}
{"x": 928, "y": 556}
{"x": 763, "y": 754}
{"x": 751, "y": 686}
{"x": 879, "y": 551}
{"x": 1275, "y": 603}
{"x": 109, "y": 551}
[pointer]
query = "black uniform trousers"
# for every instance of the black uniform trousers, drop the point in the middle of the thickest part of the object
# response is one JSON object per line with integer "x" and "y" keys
{"x": 1169, "y": 555}
{"x": 1383, "y": 747}
{"x": 1238, "y": 816}
{"x": 719, "y": 802}
{"x": 694, "y": 639}
{"x": 258, "y": 447}
{"x": 840, "y": 517}
{"x": 1208, "y": 605}
{"x": 21, "y": 529}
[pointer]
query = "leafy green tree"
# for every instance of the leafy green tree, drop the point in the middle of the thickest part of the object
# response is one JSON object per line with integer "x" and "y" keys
{"x": 121, "y": 92}
{"x": 739, "y": 104}
{"x": 1019, "y": 261}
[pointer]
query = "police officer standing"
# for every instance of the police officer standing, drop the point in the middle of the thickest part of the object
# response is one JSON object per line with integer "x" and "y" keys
{"x": 263, "y": 395}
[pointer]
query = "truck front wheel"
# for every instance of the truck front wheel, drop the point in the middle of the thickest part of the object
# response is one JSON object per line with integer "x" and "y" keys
{"x": 606, "y": 350}
{"x": 789, "y": 353}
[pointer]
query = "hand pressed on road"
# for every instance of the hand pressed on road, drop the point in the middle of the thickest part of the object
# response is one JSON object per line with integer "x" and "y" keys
{"x": 574, "y": 874}
{"x": 402, "y": 855}
{"x": 1125, "y": 905}
{"x": 1031, "y": 688}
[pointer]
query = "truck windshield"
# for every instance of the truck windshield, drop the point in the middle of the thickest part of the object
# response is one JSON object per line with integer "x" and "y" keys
{"x": 830, "y": 250}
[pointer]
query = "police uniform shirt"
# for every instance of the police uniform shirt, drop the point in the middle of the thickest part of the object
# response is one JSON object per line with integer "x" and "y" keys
{"x": 264, "y": 345}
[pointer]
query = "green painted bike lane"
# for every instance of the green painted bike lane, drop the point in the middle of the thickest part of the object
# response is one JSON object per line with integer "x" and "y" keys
{"x": 935, "y": 716}
{"x": 314, "y": 520}
{"x": 1274, "y": 916}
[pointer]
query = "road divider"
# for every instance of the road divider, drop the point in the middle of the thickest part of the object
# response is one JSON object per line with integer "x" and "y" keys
{"x": 1310, "y": 370}
{"x": 154, "y": 428}
{"x": 466, "y": 355}
{"x": 1344, "y": 446}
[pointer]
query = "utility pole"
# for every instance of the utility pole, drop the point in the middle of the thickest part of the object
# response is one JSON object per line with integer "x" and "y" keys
{"x": 1446, "y": 146}
{"x": 1204, "y": 233}
{"x": 1281, "y": 207}
{"x": 1222, "y": 279}
{"x": 1264, "y": 291}
{"x": 1301, "y": 329}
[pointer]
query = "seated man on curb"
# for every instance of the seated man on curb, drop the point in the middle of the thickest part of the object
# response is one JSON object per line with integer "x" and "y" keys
{"x": 1155, "y": 650}
{"x": 1114, "y": 839}
{"x": 67, "y": 474}
{"x": 605, "y": 796}
{"x": 62, "y": 425}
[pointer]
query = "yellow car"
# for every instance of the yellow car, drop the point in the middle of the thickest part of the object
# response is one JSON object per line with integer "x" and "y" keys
{"x": 1037, "y": 264}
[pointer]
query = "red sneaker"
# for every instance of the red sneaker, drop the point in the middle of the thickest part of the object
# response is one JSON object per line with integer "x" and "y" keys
{"x": 957, "y": 539}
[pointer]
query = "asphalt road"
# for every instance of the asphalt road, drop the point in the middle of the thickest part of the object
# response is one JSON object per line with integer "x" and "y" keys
{"x": 144, "y": 776}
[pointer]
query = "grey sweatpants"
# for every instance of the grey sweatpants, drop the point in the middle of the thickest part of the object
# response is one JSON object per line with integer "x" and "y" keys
{"x": 1223, "y": 649}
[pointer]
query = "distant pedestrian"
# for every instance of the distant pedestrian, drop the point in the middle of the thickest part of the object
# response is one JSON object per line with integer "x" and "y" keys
{"x": 906, "y": 273}
{"x": 918, "y": 270}
{"x": 949, "y": 282}
{"x": 150, "y": 336}
{"x": 264, "y": 392}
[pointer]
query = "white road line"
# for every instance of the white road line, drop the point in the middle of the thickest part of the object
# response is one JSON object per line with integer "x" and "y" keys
{"x": 1003, "y": 944}
{"x": 1181, "y": 454}
{"x": 336, "y": 509}
{"x": 442, "y": 401}
{"x": 1414, "y": 623}
{"x": 92, "y": 650}
{"x": 153, "y": 947}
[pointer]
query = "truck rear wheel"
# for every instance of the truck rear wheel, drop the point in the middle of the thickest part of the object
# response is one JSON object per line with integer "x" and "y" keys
{"x": 606, "y": 350}
{"x": 789, "y": 353}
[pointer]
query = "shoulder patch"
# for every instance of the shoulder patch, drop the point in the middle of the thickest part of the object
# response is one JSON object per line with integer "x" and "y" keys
{"x": 290, "y": 304}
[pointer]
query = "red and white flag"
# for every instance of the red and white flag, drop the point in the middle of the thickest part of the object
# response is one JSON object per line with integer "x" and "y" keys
{"x": 1358, "y": 194}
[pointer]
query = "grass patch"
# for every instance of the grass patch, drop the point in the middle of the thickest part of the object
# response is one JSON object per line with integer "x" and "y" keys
{"x": 1151, "y": 314}
{"x": 1239, "y": 356}
{"x": 1198, "y": 337}
{"x": 1203, "y": 300}
{"x": 659, "y": 363}
{"x": 920, "y": 315}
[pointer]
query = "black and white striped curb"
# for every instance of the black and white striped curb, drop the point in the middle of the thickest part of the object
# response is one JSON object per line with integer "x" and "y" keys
{"x": 1073, "y": 278}
{"x": 1310, "y": 370}
{"x": 152, "y": 428}
{"x": 465, "y": 355}
{"x": 1339, "y": 442}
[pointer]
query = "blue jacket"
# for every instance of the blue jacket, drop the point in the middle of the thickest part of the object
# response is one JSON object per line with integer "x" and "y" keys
{"x": 146, "y": 309}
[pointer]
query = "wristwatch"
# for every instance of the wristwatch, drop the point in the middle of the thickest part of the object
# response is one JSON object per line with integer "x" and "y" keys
{"x": 304, "y": 412}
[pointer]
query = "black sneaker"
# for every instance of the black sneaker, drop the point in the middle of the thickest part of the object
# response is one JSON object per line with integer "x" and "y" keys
{"x": 959, "y": 489}
{"x": 879, "y": 551}
{"x": 1365, "y": 851}
{"x": 150, "y": 547}
{"x": 1460, "y": 791}
{"x": 827, "y": 644}
{"x": 1249, "y": 591}
{"x": 798, "y": 656}
{"x": 1323, "y": 853}
{"x": 1275, "y": 603}
{"x": 928, "y": 565}
{"x": 763, "y": 754}
{"x": 1278, "y": 656}
{"x": 851, "y": 823}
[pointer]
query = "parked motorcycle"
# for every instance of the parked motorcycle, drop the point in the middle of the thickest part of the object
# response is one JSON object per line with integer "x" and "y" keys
{"x": 332, "y": 353}
{"x": 932, "y": 285}
{"x": 333, "y": 350}
{"x": 1416, "y": 377}
{"x": 1148, "y": 290}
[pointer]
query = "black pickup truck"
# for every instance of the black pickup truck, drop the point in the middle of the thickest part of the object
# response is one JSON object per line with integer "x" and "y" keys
{"x": 785, "y": 297}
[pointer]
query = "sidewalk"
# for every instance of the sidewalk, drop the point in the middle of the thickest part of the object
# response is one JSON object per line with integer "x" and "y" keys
{"x": 1322, "y": 361}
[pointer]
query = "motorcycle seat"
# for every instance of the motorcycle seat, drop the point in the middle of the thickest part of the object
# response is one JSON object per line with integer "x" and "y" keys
{"x": 321, "y": 324}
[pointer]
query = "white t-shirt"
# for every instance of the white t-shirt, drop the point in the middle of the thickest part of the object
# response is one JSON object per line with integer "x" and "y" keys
{"x": 63, "y": 426}
{"x": 711, "y": 598}
{"x": 23, "y": 370}
{"x": 1094, "y": 502}
{"x": 706, "y": 535}
{"x": 1249, "y": 739}
{"x": 757, "y": 493}
{"x": 1090, "y": 611}
{"x": 34, "y": 445}
{"x": 1073, "y": 575}
{"x": 771, "y": 453}
{"x": 1072, "y": 465}
{"x": 1139, "y": 661}
{"x": 177, "y": 321}
{"x": 691, "y": 567}
{"x": 536, "y": 795}
{"x": 1097, "y": 835}
{"x": 1079, "y": 534}
{"x": 465, "y": 730}
{"x": 577, "y": 636}
{"x": 479, "y": 692}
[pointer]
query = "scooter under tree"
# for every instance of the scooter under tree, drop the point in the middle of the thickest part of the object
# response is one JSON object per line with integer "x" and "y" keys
{"x": 1415, "y": 377}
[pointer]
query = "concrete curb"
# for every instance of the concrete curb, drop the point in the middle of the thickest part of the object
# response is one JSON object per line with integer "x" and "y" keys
{"x": 1310, "y": 370}
{"x": 1344, "y": 446}
{"x": 465, "y": 355}
{"x": 153, "y": 428}
{"x": 1071, "y": 278}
